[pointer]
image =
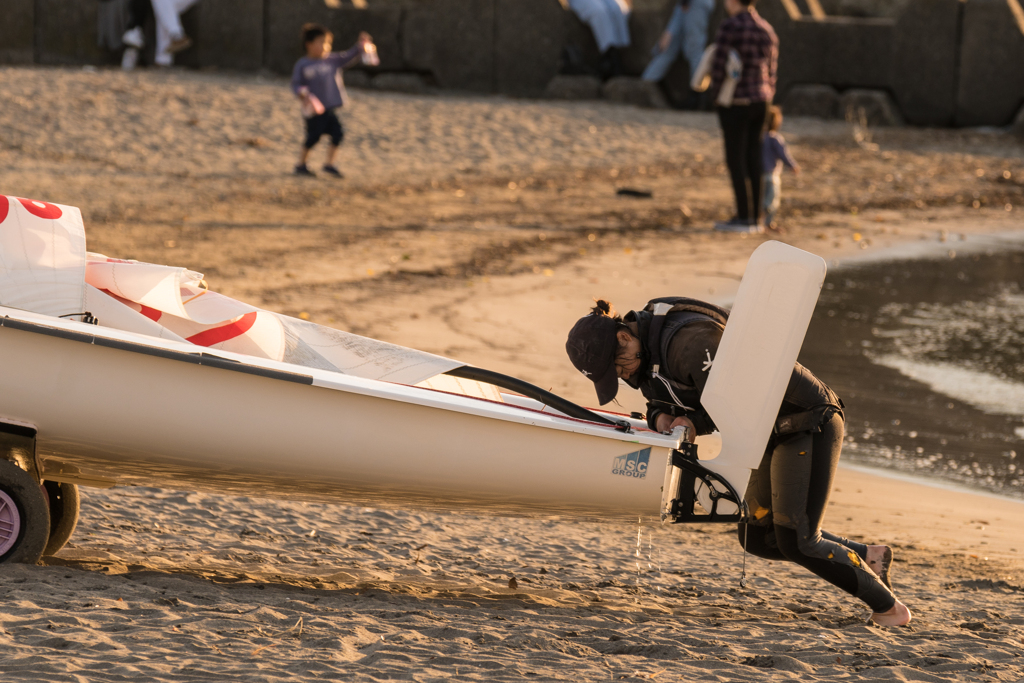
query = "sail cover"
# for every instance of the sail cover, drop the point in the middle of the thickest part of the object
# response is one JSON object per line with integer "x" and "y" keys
{"x": 44, "y": 268}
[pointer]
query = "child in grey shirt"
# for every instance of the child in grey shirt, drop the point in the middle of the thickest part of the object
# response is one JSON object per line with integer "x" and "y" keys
{"x": 317, "y": 82}
{"x": 776, "y": 155}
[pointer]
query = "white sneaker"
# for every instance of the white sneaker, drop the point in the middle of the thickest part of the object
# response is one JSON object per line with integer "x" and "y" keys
{"x": 735, "y": 225}
{"x": 133, "y": 38}
{"x": 130, "y": 58}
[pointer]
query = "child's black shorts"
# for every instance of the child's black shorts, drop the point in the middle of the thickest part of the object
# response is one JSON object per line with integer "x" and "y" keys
{"x": 324, "y": 124}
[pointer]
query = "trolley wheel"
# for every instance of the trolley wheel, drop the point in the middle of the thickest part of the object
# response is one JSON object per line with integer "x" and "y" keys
{"x": 24, "y": 516}
{"x": 64, "y": 508}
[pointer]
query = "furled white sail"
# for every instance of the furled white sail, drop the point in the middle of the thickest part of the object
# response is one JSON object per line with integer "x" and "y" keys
{"x": 44, "y": 268}
{"x": 177, "y": 300}
{"x": 42, "y": 256}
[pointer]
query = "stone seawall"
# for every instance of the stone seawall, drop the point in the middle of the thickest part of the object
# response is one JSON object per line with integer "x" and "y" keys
{"x": 939, "y": 62}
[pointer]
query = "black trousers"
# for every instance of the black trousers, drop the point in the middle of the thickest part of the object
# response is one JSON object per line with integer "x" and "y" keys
{"x": 138, "y": 12}
{"x": 743, "y": 131}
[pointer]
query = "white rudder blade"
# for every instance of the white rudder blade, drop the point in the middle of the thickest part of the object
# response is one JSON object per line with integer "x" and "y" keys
{"x": 755, "y": 359}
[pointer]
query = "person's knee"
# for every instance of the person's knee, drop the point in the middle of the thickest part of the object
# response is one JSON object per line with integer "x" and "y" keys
{"x": 800, "y": 548}
{"x": 795, "y": 547}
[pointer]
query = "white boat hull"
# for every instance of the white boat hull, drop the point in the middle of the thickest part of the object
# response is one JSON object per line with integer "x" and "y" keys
{"x": 152, "y": 415}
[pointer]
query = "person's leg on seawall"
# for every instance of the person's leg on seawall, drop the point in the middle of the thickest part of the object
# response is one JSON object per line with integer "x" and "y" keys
{"x": 695, "y": 31}
{"x": 170, "y": 36}
{"x": 662, "y": 61}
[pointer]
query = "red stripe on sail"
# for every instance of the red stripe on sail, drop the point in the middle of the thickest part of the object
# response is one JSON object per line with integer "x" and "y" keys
{"x": 150, "y": 313}
{"x": 224, "y": 332}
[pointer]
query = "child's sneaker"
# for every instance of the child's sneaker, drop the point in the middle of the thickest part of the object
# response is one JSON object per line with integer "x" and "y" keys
{"x": 302, "y": 169}
{"x": 133, "y": 38}
{"x": 330, "y": 169}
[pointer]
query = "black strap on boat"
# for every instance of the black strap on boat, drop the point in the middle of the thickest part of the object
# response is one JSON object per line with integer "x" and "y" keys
{"x": 536, "y": 393}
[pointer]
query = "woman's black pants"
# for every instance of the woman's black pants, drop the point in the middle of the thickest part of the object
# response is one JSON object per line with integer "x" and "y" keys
{"x": 743, "y": 131}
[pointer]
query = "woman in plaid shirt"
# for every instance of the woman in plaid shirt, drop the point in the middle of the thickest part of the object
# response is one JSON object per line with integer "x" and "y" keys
{"x": 754, "y": 40}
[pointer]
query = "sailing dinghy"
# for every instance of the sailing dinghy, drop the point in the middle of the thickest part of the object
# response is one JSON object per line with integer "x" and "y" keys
{"x": 122, "y": 373}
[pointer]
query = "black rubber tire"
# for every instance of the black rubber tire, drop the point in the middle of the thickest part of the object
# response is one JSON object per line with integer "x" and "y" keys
{"x": 33, "y": 510}
{"x": 64, "y": 509}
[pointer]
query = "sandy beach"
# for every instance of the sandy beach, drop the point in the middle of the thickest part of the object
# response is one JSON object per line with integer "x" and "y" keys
{"x": 481, "y": 228}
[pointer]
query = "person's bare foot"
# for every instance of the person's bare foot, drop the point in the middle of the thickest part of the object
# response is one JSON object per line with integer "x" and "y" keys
{"x": 899, "y": 615}
{"x": 879, "y": 560}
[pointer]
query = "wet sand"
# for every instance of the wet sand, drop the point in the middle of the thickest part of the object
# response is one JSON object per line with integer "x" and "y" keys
{"x": 481, "y": 228}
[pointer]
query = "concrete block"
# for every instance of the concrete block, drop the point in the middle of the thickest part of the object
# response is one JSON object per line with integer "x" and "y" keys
{"x": 809, "y": 8}
{"x": 653, "y": 5}
{"x": 821, "y": 101}
{"x": 226, "y": 34}
{"x": 924, "y": 67}
{"x": 358, "y": 78}
{"x": 631, "y": 90}
{"x": 17, "y": 45}
{"x": 283, "y": 25}
{"x": 644, "y": 30}
{"x": 991, "y": 83}
{"x": 839, "y": 51}
{"x": 676, "y": 85}
{"x": 1017, "y": 128}
{"x": 453, "y": 40}
{"x": 869, "y": 107}
{"x": 528, "y": 40}
{"x": 864, "y": 8}
{"x": 65, "y": 33}
{"x": 775, "y": 12}
{"x": 383, "y": 23}
{"x": 411, "y": 83}
{"x": 718, "y": 15}
{"x": 574, "y": 88}
{"x": 578, "y": 36}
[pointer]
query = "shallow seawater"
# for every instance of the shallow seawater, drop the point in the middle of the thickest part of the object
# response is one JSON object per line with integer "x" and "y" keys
{"x": 928, "y": 357}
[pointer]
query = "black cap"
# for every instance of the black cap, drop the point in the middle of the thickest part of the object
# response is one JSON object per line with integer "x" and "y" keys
{"x": 591, "y": 346}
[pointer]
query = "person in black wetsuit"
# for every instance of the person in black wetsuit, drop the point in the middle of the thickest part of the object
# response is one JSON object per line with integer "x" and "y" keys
{"x": 667, "y": 357}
